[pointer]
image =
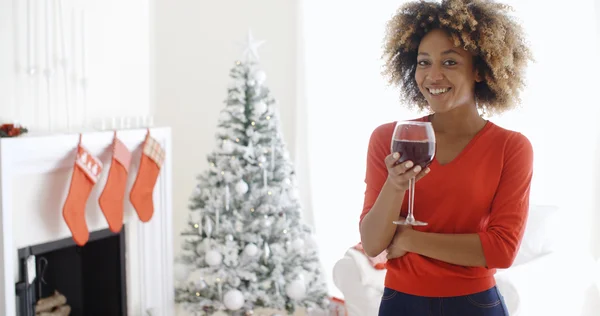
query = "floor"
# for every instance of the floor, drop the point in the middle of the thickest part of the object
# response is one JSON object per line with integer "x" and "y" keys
{"x": 268, "y": 312}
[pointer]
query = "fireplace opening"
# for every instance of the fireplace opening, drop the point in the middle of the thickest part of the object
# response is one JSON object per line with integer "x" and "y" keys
{"x": 63, "y": 279}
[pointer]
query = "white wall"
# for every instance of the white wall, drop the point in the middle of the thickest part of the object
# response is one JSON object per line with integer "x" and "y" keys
{"x": 195, "y": 47}
{"x": 596, "y": 213}
{"x": 111, "y": 55}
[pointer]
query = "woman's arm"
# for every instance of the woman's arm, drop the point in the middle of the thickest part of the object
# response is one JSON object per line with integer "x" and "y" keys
{"x": 376, "y": 227}
{"x": 459, "y": 249}
{"x": 386, "y": 183}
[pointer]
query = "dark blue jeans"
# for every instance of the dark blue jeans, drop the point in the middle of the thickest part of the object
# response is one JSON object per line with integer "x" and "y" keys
{"x": 486, "y": 303}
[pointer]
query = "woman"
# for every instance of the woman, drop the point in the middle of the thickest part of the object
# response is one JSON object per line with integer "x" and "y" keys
{"x": 456, "y": 58}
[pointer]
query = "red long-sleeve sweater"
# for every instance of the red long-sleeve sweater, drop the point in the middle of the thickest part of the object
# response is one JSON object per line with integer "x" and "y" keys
{"x": 484, "y": 191}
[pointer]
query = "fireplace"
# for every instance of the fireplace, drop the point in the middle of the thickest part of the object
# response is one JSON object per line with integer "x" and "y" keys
{"x": 35, "y": 172}
{"x": 90, "y": 278}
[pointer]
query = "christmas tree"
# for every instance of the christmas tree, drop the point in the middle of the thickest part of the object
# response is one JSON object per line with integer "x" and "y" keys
{"x": 246, "y": 246}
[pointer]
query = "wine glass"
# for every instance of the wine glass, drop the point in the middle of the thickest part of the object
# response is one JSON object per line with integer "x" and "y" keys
{"x": 414, "y": 141}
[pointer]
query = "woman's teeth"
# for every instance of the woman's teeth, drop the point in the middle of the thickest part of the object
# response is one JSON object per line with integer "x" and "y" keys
{"x": 438, "y": 91}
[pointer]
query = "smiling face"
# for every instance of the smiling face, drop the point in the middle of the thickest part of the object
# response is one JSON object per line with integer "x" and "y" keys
{"x": 445, "y": 74}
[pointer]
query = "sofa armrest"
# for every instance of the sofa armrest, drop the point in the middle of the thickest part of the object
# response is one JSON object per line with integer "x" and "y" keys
{"x": 360, "y": 283}
{"x": 369, "y": 276}
{"x": 552, "y": 284}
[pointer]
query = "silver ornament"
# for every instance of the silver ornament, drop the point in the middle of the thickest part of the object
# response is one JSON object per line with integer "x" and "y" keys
{"x": 251, "y": 250}
{"x": 287, "y": 182}
{"x": 229, "y": 237}
{"x": 239, "y": 226}
{"x": 227, "y": 146}
{"x": 260, "y": 107}
{"x": 266, "y": 253}
{"x": 260, "y": 76}
{"x": 235, "y": 282}
{"x": 241, "y": 187}
{"x": 266, "y": 222}
{"x": 207, "y": 227}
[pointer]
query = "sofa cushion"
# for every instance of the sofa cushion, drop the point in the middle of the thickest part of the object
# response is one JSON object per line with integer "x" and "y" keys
{"x": 541, "y": 235}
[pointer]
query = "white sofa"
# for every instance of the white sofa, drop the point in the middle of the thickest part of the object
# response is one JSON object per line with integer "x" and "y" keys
{"x": 547, "y": 277}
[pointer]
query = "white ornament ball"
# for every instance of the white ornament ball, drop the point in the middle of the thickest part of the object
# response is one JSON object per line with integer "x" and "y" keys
{"x": 227, "y": 147}
{"x": 241, "y": 187}
{"x": 181, "y": 272}
{"x": 311, "y": 242}
{"x": 260, "y": 76}
{"x": 200, "y": 248}
{"x": 233, "y": 300}
{"x": 298, "y": 244}
{"x": 251, "y": 250}
{"x": 213, "y": 258}
{"x": 296, "y": 290}
{"x": 251, "y": 83}
{"x": 224, "y": 116}
{"x": 287, "y": 182}
{"x": 262, "y": 159}
{"x": 293, "y": 194}
{"x": 260, "y": 107}
{"x": 267, "y": 221}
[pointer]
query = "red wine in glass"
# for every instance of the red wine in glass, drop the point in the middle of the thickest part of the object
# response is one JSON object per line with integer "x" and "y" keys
{"x": 414, "y": 141}
{"x": 419, "y": 152}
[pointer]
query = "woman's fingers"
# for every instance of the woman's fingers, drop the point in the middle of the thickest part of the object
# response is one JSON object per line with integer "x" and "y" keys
{"x": 391, "y": 160}
{"x": 397, "y": 168}
{"x": 421, "y": 174}
{"x": 401, "y": 173}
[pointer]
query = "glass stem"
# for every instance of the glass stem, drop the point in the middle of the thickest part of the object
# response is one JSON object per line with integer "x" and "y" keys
{"x": 411, "y": 200}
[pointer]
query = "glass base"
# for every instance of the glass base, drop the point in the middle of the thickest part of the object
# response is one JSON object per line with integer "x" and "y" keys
{"x": 410, "y": 223}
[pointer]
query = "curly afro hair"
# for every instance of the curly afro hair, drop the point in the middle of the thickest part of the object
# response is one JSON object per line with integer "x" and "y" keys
{"x": 481, "y": 27}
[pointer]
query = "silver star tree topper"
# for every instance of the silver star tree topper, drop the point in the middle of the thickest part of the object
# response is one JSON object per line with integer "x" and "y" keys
{"x": 251, "y": 48}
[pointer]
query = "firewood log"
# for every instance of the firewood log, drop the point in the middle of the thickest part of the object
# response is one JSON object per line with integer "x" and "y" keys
{"x": 48, "y": 303}
{"x": 64, "y": 310}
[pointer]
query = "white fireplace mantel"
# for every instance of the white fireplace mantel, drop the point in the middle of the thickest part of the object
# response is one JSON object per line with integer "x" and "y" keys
{"x": 35, "y": 173}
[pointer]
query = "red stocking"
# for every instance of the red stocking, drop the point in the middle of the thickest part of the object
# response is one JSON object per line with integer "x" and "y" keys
{"x": 153, "y": 157}
{"x": 113, "y": 195}
{"x": 85, "y": 175}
